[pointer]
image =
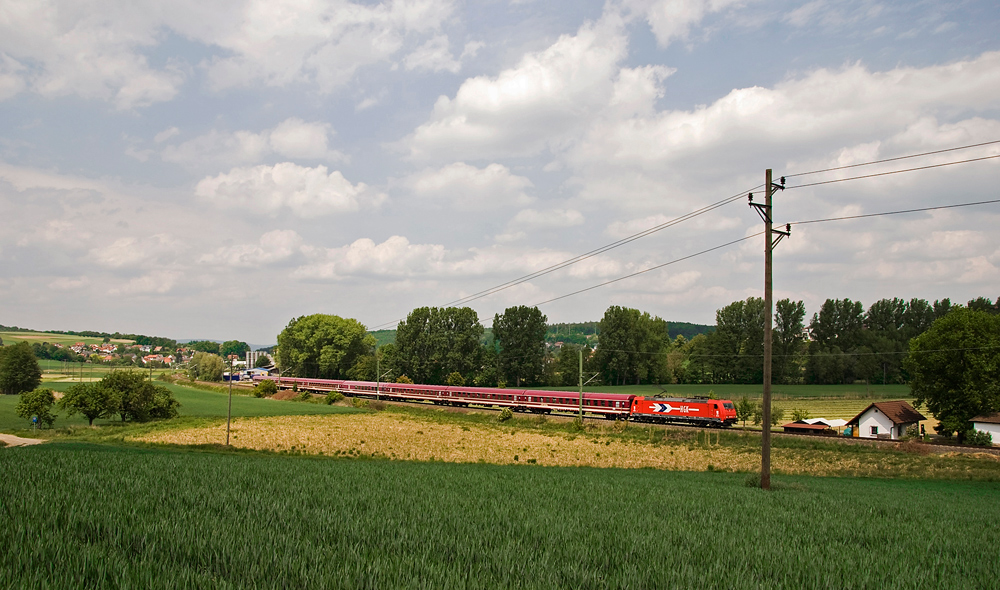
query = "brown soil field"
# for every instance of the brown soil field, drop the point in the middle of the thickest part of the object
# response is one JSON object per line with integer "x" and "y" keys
{"x": 404, "y": 437}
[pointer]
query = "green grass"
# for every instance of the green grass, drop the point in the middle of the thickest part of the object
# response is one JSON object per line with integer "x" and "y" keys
{"x": 87, "y": 516}
{"x": 87, "y": 371}
{"x": 728, "y": 391}
{"x": 194, "y": 403}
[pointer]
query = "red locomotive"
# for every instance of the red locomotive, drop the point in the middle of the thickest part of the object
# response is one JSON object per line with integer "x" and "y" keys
{"x": 613, "y": 406}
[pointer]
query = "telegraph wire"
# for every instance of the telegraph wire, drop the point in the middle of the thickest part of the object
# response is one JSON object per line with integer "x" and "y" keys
{"x": 586, "y": 255}
{"x": 894, "y": 212}
{"x": 964, "y": 147}
{"x": 628, "y": 276}
{"x": 891, "y": 172}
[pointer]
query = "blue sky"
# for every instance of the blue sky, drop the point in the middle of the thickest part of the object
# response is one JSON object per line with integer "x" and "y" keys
{"x": 214, "y": 169}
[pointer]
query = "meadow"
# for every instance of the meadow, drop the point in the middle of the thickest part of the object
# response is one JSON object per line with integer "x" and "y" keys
{"x": 194, "y": 403}
{"x": 64, "y": 339}
{"x": 80, "y": 515}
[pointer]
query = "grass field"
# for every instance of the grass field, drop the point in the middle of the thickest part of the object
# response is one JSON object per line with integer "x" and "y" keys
{"x": 64, "y": 339}
{"x": 56, "y": 371}
{"x": 194, "y": 403}
{"x": 86, "y": 516}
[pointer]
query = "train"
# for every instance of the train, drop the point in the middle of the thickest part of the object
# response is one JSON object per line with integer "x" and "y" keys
{"x": 691, "y": 411}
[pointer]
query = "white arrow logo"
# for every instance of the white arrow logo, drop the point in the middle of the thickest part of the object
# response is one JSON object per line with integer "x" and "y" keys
{"x": 663, "y": 408}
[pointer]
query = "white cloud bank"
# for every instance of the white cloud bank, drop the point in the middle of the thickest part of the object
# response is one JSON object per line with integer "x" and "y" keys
{"x": 305, "y": 192}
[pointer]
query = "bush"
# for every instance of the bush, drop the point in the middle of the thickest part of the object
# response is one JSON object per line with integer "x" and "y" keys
{"x": 37, "y": 403}
{"x": 505, "y": 415}
{"x": 377, "y": 405}
{"x": 404, "y": 379}
{"x": 979, "y": 438}
{"x": 265, "y": 388}
{"x": 800, "y": 415}
{"x": 455, "y": 379}
{"x": 305, "y": 396}
{"x": 334, "y": 397}
{"x": 359, "y": 402}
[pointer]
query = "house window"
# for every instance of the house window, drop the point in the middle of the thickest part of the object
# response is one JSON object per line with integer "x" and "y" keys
{"x": 874, "y": 430}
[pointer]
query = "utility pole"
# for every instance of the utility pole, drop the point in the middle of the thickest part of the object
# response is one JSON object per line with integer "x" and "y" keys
{"x": 229, "y": 414}
{"x": 581, "y": 384}
{"x": 769, "y": 243}
{"x": 378, "y": 373}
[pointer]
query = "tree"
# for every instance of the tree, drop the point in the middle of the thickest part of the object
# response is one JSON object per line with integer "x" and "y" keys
{"x": 136, "y": 399}
{"x": 837, "y": 332}
{"x": 744, "y": 410}
{"x": 262, "y": 361}
{"x": 737, "y": 345}
{"x": 37, "y": 403}
{"x": 520, "y": 332}
{"x": 433, "y": 342}
{"x": 203, "y": 346}
{"x": 455, "y": 379}
{"x": 954, "y": 368}
{"x": 19, "y": 370}
{"x": 788, "y": 340}
{"x": 206, "y": 367}
{"x": 236, "y": 347}
{"x": 322, "y": 346}
{"x": 92, "y": 400}
{"x": 632, "y": 347}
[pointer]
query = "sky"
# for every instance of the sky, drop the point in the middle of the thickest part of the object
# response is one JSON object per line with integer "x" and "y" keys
{"x": 216, "y": 169}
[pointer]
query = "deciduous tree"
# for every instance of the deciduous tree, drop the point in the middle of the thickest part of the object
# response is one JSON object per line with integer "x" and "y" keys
{"x": 19, "y": 370}
{"x": 433, "y": 342}
{"x": 520, "y": 332}
{"x": 37, "y": 403}
{"x": 92, "y": 400}
{"x": 954, "y": 368}
{"x": 323, "y": 346}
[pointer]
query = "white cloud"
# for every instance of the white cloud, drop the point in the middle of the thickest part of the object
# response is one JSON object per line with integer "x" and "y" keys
{"x": 166, "y": 134}
{"x": 324, "y": 43}
{"x": 529, "y": 107}
{"x": 469, "y": 188}
{"x": 533, "y": 218}
{"x": 306, "y": 192}
{"x": 292, "y": 138}
{"x": 433, "y": 55}
{"x": 157, "y": 282}
{"x": 673, "y": 19}
{"x": 73, "y": 51}
{"x": 274, "y": 247}
{"x": 395, "y": 257}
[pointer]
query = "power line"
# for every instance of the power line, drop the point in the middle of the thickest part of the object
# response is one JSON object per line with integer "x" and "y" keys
{"x": 964, "y": 147}
{"x": 892, "y": 172}
{"x": 628, "y": 276}
{"x": 894, "y": 212}
{"x": 590, "y": 254}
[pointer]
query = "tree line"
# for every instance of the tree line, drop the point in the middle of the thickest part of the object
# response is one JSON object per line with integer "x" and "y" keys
{"x": 843, "y": 342}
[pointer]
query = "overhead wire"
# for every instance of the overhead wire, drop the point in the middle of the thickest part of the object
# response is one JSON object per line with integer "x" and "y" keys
{"x": 591, "y": 253}
{"x": 716, "y": 205}
{"x": 891, "y": 172}
{"x": 964, "y": 147}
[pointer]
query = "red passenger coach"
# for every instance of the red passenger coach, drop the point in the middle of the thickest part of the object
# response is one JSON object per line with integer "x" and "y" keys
{"x": 695, "y": 411}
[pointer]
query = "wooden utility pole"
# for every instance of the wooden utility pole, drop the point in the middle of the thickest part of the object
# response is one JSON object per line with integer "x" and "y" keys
{"x": 378, "y": 373}
{"x": 769, "y": 244}
{"x": 229, "y": 413}
{"x": 581, "y": 385}
{"x": 765, "y": 451}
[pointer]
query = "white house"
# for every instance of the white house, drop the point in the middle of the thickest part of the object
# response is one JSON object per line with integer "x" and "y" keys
{"x": 886, "y": 420}
{"x": 989, "y": 423}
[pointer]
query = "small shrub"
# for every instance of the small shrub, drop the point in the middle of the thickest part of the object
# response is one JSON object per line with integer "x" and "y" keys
{"x": 377, "y": 405}
{"x": 978, "y": 438}
{"x": 334, "y": 397}
{"x": 404, "y": 379}
{"x": 265, "y": 389}
{"x": 505, "y": 415}
{"x": 800, "y": 414}
{"x": 455, "y": 379}
{"x": 295, "y": 387}
{"x": 305, "y": 396}
{"x": 359, "y": 402}
{"x": 578, "y": 424}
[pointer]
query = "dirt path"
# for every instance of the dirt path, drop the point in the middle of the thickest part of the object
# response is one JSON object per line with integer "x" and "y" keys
{"x": 17, "y": 441}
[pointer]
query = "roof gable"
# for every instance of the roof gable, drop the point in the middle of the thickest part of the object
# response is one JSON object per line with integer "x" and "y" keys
{"x": 900, "y": 412}
{"x": 993, "y": 418}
